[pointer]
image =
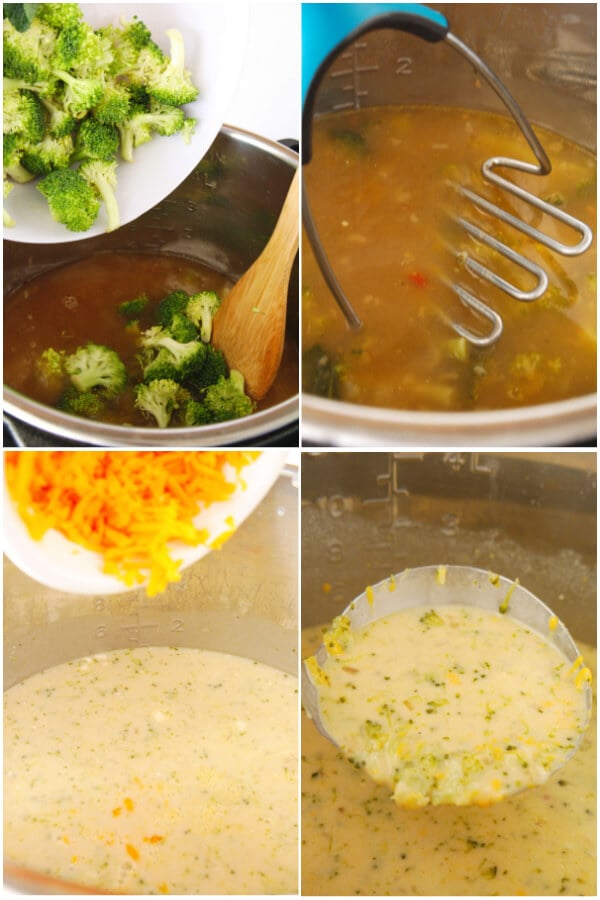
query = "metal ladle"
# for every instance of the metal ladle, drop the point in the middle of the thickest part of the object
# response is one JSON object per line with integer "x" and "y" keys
{"x": 431, "y": 586}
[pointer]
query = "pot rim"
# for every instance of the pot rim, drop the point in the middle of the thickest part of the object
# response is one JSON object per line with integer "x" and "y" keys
{"x": 336, "y": 422}
{"x": 60, "y": 424}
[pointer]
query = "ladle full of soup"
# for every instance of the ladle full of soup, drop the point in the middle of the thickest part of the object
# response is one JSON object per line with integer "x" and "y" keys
{"x": 450, "y": 685}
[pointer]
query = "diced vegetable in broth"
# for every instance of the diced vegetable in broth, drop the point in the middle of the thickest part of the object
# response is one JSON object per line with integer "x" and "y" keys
{"x": 380, "y": 185}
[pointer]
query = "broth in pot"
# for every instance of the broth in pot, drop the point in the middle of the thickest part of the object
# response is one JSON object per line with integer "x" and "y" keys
{"x": 381, "y": 190}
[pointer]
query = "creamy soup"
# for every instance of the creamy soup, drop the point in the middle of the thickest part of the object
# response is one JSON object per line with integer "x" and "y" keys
{"x": 449, "y": 705}
{"x": 380, "y": 187}
{"x": 155, "y": 770}
{"x": 355, "y": 841}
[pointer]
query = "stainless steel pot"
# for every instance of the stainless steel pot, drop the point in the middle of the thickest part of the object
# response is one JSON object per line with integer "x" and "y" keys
{"x": 546, "y": 55}
{"x": 221, "y": 215}
{"x": 526, "y": 516}
{"x": 242, "y": 599}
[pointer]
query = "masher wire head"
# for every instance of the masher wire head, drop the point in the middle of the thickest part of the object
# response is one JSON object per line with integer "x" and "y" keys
{"x": 431, "y": 26}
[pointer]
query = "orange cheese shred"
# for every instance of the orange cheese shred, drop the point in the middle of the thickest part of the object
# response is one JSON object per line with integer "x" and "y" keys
{"x": 126, "y": 505}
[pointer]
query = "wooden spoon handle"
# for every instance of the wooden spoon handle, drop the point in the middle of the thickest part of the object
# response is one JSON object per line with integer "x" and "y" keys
{"x": 250, "y": 325}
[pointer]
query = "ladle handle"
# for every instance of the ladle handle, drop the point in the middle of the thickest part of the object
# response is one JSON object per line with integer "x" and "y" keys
{"x": 328, "y": 28}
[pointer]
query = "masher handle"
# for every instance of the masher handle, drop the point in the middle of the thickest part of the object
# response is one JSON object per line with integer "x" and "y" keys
{"x": 328, "y": 28}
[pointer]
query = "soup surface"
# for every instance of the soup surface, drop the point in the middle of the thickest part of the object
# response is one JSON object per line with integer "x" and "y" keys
{"x": 449, "y": 705}
{"x": 76, "y": 303}
{"x": 356, "y": 841}
{"x": 380, "y": 188}
{"x": 155, "y": 770}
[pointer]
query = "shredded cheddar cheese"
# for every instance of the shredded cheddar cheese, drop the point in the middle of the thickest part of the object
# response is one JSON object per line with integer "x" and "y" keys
{"x": 125, "y": 505}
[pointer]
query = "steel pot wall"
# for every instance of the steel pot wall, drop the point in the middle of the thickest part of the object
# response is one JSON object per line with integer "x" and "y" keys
{"x": 221, "y": 215}
{"x": 546, "y": 55}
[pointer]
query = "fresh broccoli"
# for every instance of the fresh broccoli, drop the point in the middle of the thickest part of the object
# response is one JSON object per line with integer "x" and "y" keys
{"x": 195, "y": 413}
{"x": 59, "y": 122}
{"x": 158, "y": 399}
{"x": 114, "y": 106}
{"x": 171, "y": 84}
{"x": 23, "y": 113}
{"x": 201, "y": 310}
{"x": 12, "y": 151}
{"x": 88, "y": 404}
{"x": 79, "y": 95}
{"x": 212, "y": 370}
{"x": 8, "y": 220}
{"x": 127, "y": 41}
{"x": 173, "y": 304}
{"x": 96, "y": 366}
{"x": 139, "y": 128}
{"x": 50, "y": 368}
{"x": 59, "y": 15}
{"x": 102, "y": 177}
{"x": 162, "y": 356}
{"x": 182, "y": 329}
{"x": 95, "y": 141}
{"x": 28, "y": 54}
{"x": 71, "y": 199}
{"x": 132, "y": 309}
{"x": 226, "y": 399}
{"x": 49, "y": 154}
{"x": 82, "y": 52}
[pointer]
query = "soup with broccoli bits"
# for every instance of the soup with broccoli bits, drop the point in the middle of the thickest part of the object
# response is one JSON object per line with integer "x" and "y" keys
{"x": 379, "y": 189}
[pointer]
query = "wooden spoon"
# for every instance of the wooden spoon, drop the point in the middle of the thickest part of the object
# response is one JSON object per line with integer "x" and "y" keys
{"x": 249, "y": 326}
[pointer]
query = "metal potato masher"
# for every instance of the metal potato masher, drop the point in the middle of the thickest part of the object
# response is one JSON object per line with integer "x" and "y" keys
{"x": 327, "y": 30}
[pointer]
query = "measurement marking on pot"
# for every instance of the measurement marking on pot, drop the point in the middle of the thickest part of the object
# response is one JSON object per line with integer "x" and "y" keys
{"x": 353, "y": 71}
{"x": 404, "y": 65}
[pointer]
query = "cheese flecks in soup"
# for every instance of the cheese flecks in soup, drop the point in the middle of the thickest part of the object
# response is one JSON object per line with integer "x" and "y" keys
{"x": 540, "y": 842}
{"x": 449, "y": 705}
{"x": 155, "y": 770}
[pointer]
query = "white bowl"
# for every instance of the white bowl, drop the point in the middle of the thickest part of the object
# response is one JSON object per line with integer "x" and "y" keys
{"x": 215, "y": 37}
{"x": 60, "y": 564}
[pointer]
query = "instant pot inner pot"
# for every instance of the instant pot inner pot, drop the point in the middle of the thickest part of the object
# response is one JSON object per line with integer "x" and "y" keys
{"x": 241, "y": 599}
{"x": 545, "y": 55}
{"x": 367, "y": 515}
{"x": 222, "y": 215}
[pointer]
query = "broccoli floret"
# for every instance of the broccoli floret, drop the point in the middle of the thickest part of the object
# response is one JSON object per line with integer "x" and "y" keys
{"x": 88, "y": 404}
{"x": 195, "y": 413}
{"x": 132, "y": 309}
{"x": 182, "y": 329}
{"x": 59, "y": 122}
{"x": 212, "y": 370}
{"x": 50, "y": 368}
{"x": 8, "y": 220}
{"x": 71, "y": 199}
{"x": 95, "y": 141}
{"x": 114, "y": 106}
{"x": 79, "y": 95}
{"x": 140, "y": 126}
{"x": 23, "y": 113}
{"x": 172, "y": 84}
{"x": 201, "y": 310}
{"x": 127, "y": 41}
{"x": 158, "y": 399}
{"x": 161, "y": 353}
{"x": 171, "y": 305}
{"x": 49, "y": 154}
{"x": 96, "y": 366}
{"x": 226, "y": 399}
{"x": 12, "y": 151}
{"x": 102, "y": 176}
{"x": 28, "y": 54}
{"x": 59, "y": 15}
